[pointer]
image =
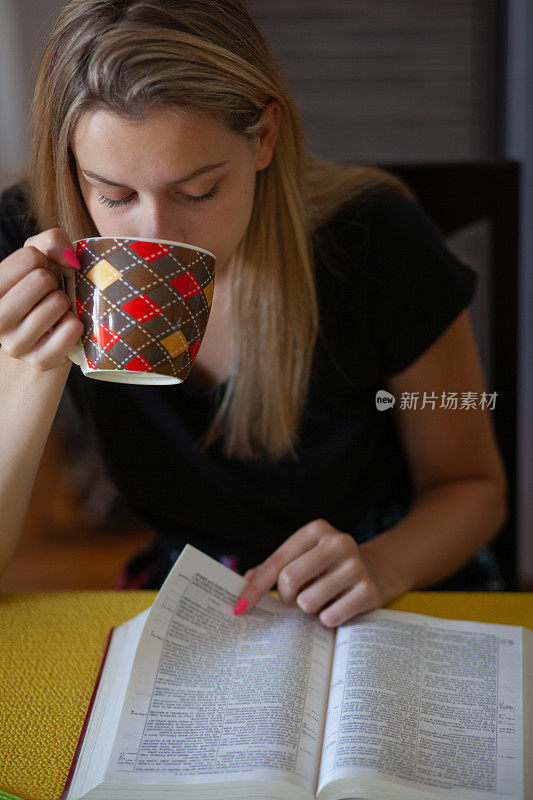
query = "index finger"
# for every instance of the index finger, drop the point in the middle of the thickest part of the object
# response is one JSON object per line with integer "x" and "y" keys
{"x": 18, "y": 264}
{"x": 266, "y": 574}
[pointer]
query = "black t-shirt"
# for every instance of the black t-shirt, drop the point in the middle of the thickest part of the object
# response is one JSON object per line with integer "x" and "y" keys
{"x": 388, "y": 286}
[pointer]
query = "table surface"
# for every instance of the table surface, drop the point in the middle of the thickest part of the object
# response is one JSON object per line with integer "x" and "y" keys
{"x": 52, "y": 646}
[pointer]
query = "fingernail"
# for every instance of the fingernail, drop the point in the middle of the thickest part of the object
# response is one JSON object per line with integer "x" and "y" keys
{"x": 70, "y": 256}
{"x": 241, "y": 606}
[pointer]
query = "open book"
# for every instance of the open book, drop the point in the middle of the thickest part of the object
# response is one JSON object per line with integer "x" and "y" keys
{"x": 194, "y": 702}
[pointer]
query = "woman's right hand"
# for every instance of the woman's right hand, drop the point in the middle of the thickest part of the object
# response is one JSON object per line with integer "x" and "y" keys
{"x": 37, "y": 324}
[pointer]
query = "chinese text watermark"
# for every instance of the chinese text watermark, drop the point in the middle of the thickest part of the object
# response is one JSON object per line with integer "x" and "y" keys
{"x": 450, "y": 401}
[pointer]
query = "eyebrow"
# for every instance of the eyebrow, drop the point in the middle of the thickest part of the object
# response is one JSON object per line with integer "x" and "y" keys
{"x": 189, "y": 177}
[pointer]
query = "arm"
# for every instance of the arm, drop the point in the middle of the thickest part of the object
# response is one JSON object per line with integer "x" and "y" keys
{"x": 457, "y": 471}
{"x": 459, "y": 486}
{"x": 29, "y": 399}
{"x": 37, "y": 330}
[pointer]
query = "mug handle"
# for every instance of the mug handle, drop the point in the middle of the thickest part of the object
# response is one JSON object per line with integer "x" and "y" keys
{"x": 77, "y": 354}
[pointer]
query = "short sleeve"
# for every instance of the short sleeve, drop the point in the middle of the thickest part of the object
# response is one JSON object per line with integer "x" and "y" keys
{"x": 416, "y": 285}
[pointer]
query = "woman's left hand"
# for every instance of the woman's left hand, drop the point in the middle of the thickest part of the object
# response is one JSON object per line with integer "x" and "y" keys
{"x": 323, "y": 570}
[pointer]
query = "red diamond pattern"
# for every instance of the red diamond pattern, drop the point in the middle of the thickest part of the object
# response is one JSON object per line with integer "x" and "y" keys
{"x": 139, "y": 364}
{"x": 80, "y": 307}
{"x": 186, "y": 284}
{"x": 149, "y": 250}
{"x": 104, "y": 336}
{"x": 193, "y": 350}
{"x": 142, "y": 308}
{"x": 80, "y": 247}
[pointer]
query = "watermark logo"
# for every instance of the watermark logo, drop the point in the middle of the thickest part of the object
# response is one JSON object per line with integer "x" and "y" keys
{"x": 450, "y": 401}
{"x": 384, "y": 400}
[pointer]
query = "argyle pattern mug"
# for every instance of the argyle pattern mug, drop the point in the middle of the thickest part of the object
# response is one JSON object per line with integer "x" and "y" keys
{"x": 144, "y": 304}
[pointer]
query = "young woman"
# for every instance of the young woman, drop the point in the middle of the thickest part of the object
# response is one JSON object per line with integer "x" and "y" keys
{"x": 170, "y": 120}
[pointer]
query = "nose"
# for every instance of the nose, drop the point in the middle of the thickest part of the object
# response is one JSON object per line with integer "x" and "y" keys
{"x": 158, "y": 220}
{"x": 162, "y": 230}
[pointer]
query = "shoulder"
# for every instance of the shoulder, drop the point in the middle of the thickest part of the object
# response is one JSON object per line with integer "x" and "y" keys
{"x": 387, "y": 236}
{"x": 14, "y": 200}
{"x": 16, "y": 222}
{"x": 381, "y": 213}
{"x": 385, "y": 267}
{"x": 361, "y": 222}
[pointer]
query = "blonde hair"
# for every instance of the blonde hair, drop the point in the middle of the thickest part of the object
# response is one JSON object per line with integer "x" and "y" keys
{"x": 128, "y": 56}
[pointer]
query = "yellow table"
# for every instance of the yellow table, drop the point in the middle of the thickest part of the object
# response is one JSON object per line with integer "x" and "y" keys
{"x": 51, "y": 649}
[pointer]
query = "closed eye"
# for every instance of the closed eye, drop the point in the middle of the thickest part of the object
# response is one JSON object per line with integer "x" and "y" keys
{"x": 107, "y": 201}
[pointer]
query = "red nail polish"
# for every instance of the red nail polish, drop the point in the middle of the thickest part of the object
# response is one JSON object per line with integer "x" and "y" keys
{"x": 70, "y": 256}
{"x": 241, "y": 606}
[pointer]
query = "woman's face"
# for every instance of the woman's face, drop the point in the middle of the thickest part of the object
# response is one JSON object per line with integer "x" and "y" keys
{"x": 138, "y": 178}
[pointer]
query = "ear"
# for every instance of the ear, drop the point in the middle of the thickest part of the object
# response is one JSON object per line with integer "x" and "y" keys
{"x": 267, "y": 134}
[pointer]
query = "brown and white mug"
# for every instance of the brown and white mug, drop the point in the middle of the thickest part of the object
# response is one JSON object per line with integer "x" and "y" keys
{"x": 144, "y": 304}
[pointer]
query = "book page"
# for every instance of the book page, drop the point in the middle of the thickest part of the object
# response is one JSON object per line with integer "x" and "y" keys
{"x": 103, "y": 720}
{"x": 426, "y": 702}
{"x": 213, "y": 697}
